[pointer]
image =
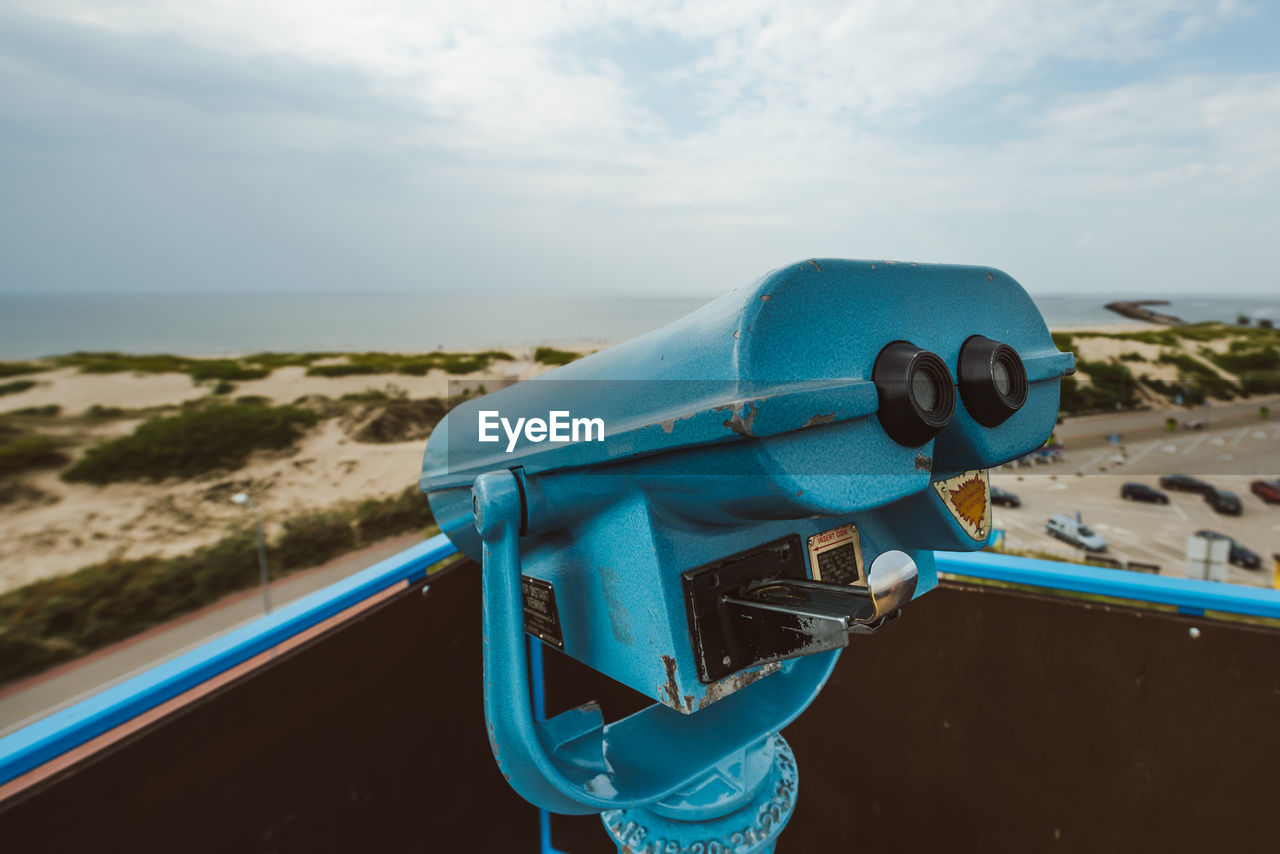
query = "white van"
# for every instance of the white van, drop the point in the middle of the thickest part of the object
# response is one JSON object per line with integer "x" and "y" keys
{"x": 1077, "y": 534}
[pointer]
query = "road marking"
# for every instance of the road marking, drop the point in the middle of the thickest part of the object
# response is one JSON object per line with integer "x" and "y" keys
{"x": 1236, "y": 439}
{"x": 1178, "y": 507}
{"x": 1163, "y": 555}
{"x": 1094, "y": 459}
{"x": 1170, "y": 449}
{"x": 1194, "y": 443}
{"x": 1276, "y": 435}
{"x": 1258, "y": 434}
{"x": 1146, "y": 450}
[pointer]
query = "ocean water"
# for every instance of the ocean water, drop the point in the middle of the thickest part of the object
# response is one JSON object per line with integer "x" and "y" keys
{"x": 208, "y": 324}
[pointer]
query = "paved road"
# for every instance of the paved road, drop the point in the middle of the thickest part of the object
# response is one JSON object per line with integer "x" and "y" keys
{"x": 1228, "y": 454}
{"x": 29, "y": 700}
{"x": 1088, "y": 430}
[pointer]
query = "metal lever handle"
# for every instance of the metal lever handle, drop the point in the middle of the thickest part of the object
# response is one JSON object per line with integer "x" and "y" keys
{"x": 786, "y": 618}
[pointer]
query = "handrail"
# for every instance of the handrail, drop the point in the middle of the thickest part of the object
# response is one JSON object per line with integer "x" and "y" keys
{"x": 71, "y": 727}
{"x": 1187, "y": 594}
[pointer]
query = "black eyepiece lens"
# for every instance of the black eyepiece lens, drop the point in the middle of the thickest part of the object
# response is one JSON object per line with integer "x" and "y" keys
{"x": 917, "y": 394}
{"x": 924, "y": 389}
{"x": 993, "y": 380}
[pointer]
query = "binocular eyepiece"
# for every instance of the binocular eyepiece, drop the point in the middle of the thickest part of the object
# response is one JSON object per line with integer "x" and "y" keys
{"x": 917, "y": 393}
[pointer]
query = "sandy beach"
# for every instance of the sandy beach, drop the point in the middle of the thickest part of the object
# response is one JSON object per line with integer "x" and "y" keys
{"x": 53, "y": 527}
{"x": 49, "y": 527}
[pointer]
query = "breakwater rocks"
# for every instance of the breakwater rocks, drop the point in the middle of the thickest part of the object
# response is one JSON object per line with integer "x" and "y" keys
{"x": 1138, "y": 311}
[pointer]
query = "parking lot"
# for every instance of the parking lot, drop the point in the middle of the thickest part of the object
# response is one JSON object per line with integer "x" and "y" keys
{"x": 1089, "y": 480}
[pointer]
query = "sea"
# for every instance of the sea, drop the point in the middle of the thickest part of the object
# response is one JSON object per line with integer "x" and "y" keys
{"x": 214, "y": 324}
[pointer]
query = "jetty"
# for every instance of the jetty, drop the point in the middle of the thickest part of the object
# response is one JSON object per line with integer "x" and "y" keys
{"x": 1138, "y": 310}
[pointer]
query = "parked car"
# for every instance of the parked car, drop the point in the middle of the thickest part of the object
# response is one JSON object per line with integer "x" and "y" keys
{"x": 1224, "y": 502}
{"x": 1076, "y": 533}
{"x": 1267, "y": 490}
{"x": 1004, "y": 498}
{"x": 1240, "y": 556}
{"x": 1185, "y": 483}
{"x": 1142, "y": 492}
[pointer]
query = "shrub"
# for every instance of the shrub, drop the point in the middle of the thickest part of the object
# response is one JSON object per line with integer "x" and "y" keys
{"x": 403, "y": 421}
{"x": 225, "y": 370}
{"x": 224, "y": 387}
{"x": 1132, "y": 357}
{"x": 47, "y": 411}
{"x": 385, "y": 517}
{"x": 100, "y": 411}
{"x": 346, "y": 370}
{"x": 16, "y": 386}
{"x": 17, "y": 369}
{"x": 1195, "y": 374}
{"x": 312, "y": 540}
{"x": 552, "y": 356}
{"x": 31, "y": 451}
{"x": 57, "y": 619}
{"x": 254, "y": 400}
{"x": 1257, "y": 367}
{"x": 192, "y": 442}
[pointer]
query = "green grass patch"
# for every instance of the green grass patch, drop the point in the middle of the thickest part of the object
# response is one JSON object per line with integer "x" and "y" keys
{"x": 1195, "y": 374}
{"x": 26, "y": 452}
{"x": 47, "y": 411}
{"x": 58, "y": 619}
{"x": 552, "y": 356}
{"x": 105, "y": 412}
{"x": 162, "y": 363}
{"x": 192, "y": 442}
{"x": 1111, "y": 386}
{"x": 1258, "y": 367}
{"x": 385, "y": 517}
{"x": 415, "y": 365}
{"x": 17, "y": 369}
{"x": 16, "y": 386}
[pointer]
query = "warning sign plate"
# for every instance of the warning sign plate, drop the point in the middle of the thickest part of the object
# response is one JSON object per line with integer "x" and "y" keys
{"x": 967, "y": 497}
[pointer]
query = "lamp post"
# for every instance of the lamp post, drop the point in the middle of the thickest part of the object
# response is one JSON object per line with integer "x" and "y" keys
{"x": 243, "y": 499}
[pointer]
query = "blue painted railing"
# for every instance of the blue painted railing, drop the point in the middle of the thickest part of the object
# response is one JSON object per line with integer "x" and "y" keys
{"x": 60, "y": 732}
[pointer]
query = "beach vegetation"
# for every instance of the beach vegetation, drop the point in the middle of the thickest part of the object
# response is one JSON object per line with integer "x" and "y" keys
{"x": 271, "y": 361}
{"x": 417, "y": 365}
{"x": 192, "y": 442}
{"x": 1132, "y": 356}
{"x": 1258, "y": 367}
{"x": 21, "y": 452}
{"x": 1110, "y": 386}
{"x": 1195, "y": 374}
{"x": 105, "y": 412}
{"x": 380, "y": 518}
{"x": 17, "y": 386}
{"x": 552, "y": 356}
{"x": 402, "y": 421}
{"x": 49, "y": 410}
{"x": 18, "y": 369}
{"x": 253, "y": 400}
{"x": 54, "y": 620}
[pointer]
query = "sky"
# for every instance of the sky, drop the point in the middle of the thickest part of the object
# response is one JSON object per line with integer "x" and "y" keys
{"x": 1124, "y": 146}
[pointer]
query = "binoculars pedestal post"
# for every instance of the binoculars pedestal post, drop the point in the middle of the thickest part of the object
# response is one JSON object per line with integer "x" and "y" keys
{"x": 740, "y": 806}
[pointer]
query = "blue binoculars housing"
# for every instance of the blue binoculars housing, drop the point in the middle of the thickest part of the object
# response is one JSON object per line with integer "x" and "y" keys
{"x": 708, "y": 512}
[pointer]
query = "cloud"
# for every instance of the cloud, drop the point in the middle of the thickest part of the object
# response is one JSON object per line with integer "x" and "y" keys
{"x": 676, "y": 146}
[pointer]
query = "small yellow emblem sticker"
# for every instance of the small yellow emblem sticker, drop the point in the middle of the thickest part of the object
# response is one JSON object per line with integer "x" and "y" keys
{"x": 967, "y": 496}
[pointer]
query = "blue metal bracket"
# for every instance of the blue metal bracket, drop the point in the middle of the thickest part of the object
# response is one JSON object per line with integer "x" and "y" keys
{"x": 575, "y": 763}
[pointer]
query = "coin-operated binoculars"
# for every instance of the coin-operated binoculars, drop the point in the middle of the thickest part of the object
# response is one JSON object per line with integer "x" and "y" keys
{"x": 708, "y": 512}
